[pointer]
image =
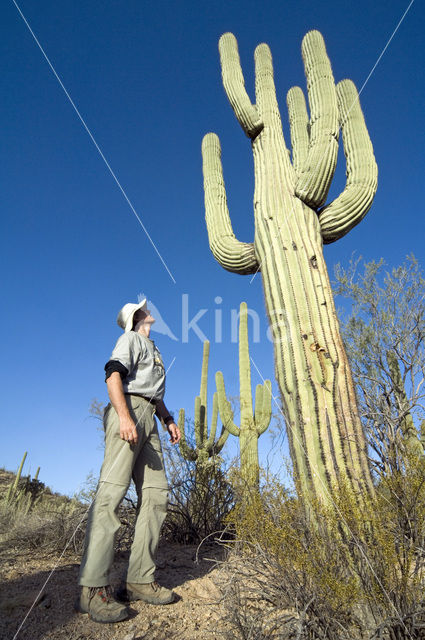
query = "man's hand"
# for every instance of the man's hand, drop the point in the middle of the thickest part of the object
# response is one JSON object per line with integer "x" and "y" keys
{"x": 174, "y": 432}
{"x": 116, "y": 394}
{"x": 128, "y": 430}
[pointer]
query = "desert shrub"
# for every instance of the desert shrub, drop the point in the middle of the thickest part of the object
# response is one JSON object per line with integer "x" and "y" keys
{"x": 352, "y": 570}
{"x": 199, "y": 499}
{"x": 56, "y": 523}
{"x": 384, "y": 335}
{"x": 21, "y": 491}
{"x": 27, "y": 493}
{"x": 53, "y": 524}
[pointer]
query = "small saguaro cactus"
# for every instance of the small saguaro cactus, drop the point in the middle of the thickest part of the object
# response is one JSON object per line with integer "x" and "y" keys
{"x": 205, "y": 445}
{"x": 252, "y": 424}
{"x": 325, "y": 434}
{"x": 12, "y": 492}
{"x": 24, "y": 493}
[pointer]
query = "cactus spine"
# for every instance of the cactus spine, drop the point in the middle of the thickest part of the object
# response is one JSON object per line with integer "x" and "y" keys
{"x": 252, "y": 424}
{"x": 205, "y": 445}
{"x": 291, "y": 224}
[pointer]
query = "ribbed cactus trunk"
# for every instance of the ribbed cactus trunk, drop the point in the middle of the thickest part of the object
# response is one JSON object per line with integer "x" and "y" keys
{"x": 324, "y": 430}
{"x": 248, "y": 443}
{"x": 325, "y": 434}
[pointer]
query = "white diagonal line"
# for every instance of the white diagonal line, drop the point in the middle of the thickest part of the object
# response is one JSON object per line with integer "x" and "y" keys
{"x": 354, "y": 102}
{"x": 80, "y": 521}
{"x": 381, "y": 54}
{"x": 386, "y": 46}
{"x": 336, "y": 506}
{"x": 94, "y": 141}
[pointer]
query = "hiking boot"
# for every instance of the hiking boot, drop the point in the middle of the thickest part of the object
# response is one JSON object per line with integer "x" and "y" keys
{"x": 100, "y": 605}
{"x": 152, "y": 593}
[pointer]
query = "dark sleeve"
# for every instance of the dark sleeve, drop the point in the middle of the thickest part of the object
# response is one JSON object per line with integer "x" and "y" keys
{"x": 166, "y": 420}
{"x": 115, "y": 365}
{"x": 163, "y": 414}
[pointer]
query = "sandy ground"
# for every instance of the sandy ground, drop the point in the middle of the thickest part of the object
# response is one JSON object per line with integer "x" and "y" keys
{"x": 196, "y": 612}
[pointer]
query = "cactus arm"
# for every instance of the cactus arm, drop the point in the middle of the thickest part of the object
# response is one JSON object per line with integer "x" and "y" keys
{"x": 224, "y": 407}
{"x": 259, "y": 392}
{"x": 341, "y": 215}
{"x": 222, "y": 439}
{"x": 263, "y": 417}
{"x": 265, "y": 88}
{"x": 214, "y": 418}
{"x": 230, "y": 253}
{"x": 298, "y": 122}
{"x": 244, "y": 367}
{"x": 186, "y": 451}
{"x": 217, "y": 447}
{"x": 199, "y": 414}
{"x": 316, "y": 175}
{"x": 234, "y": 85}
{"x": 204, "y": 383}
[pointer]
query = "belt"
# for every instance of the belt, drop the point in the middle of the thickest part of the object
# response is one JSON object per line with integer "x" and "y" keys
{"x": 150, "y": 400}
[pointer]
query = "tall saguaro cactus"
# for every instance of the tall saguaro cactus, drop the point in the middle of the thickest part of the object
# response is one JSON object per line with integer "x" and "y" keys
{"x": 205, "y": 444}
{"x": 291, "y": 224}
{"x": 252, "y": 424}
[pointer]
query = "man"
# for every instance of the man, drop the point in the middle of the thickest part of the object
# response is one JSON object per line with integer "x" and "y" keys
{"x": 135, "y": 378}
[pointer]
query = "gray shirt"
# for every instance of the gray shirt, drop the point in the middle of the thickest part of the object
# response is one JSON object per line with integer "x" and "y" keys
{"x": 146, "y": 373}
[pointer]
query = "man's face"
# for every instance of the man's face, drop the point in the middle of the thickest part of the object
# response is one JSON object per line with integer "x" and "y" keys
{"x": 143, "y": 316}
{"x": 149, "y": 317}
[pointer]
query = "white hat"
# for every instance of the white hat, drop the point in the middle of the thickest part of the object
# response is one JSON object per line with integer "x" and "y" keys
{"x": 125, "y": 316}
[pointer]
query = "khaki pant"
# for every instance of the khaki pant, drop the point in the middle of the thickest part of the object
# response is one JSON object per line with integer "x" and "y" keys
{"x": 144, "y": 463}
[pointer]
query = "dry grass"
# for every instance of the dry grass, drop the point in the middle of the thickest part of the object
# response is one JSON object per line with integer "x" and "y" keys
{"x": 53, "y": 523}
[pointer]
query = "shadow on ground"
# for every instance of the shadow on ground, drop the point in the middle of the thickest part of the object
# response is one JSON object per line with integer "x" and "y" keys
{"x": 53, "y": 615}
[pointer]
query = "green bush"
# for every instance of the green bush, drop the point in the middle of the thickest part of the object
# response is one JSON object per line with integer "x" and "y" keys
{"x": 352, "y": 570}
{"x": 199, "y": 500}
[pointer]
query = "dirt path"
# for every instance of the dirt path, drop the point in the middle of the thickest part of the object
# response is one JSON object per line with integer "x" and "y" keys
{"x": 195, "y": 614}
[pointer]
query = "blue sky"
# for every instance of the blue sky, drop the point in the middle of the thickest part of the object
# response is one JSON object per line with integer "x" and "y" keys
{"x": 145, "y": 77}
